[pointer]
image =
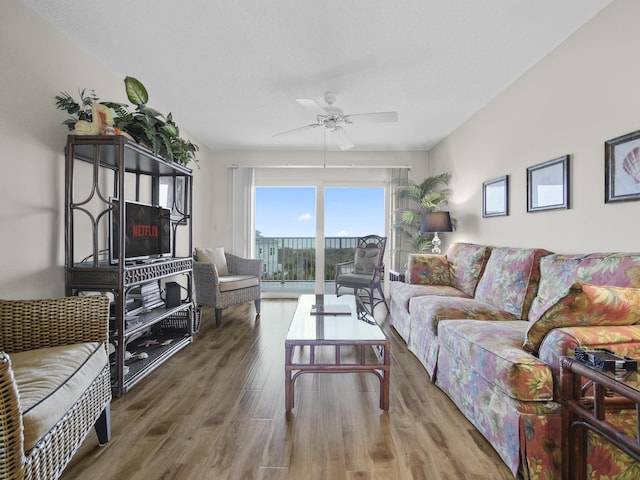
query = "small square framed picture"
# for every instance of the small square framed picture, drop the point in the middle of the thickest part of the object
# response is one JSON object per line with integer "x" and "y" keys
{"x": 548, "y": 185}
{"x": 495, "y": 197}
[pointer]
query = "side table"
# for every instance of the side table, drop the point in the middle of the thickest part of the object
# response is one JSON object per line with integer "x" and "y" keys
{"x": 396, "y": 276}
{"x": 584, "y": 409}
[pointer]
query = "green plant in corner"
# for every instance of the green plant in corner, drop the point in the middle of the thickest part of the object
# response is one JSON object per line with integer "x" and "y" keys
{"x": 428, "y": 196}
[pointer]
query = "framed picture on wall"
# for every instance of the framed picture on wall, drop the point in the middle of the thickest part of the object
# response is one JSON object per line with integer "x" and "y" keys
{"x": 495, "y": 197}
{"x": 172, "y": 195}
{"x": 622, "y": 168}
{"x": 548, "y": 185}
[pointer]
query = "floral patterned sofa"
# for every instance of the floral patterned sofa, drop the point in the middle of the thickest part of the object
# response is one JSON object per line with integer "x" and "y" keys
{"x": 490, "y": 324}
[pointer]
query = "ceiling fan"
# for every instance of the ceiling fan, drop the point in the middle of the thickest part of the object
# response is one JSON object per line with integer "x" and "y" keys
{"x": 333, "y": 118}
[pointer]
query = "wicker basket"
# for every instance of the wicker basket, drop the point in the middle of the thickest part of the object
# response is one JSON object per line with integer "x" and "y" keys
{"x": 179, "y": 322}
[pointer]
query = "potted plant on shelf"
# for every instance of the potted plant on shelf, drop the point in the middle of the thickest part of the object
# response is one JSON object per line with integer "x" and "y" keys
{"x": 145, "y": 125}
{"x": 428, "y": 196}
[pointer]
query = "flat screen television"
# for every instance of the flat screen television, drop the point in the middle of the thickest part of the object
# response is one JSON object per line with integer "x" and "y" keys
{"x": 147, "y": 232}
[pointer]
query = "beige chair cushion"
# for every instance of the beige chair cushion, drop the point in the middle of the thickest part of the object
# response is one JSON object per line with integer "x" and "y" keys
{"x": 215, "y": 256}
{"x": 235, "y": 282}
{"x": 50, "y": 381}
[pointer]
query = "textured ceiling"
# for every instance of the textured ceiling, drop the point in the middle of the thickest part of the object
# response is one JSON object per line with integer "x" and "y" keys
{"x": 230, "y": 70}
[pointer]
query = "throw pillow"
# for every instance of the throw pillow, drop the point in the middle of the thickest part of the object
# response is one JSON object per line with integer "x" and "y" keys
{"x": 367, "y": 259}
{"x": 428, "y": 269}
{"x": 215, "y": 256}
{"x": 586, "y": 305}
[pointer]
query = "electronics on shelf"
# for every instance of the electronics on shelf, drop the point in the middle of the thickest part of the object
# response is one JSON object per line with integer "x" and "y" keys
{"x": 147, "y": 233}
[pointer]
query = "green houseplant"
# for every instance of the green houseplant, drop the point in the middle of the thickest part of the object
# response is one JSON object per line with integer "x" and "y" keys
{"x": 145, "y": 125}
{"x": 428, "y": 196}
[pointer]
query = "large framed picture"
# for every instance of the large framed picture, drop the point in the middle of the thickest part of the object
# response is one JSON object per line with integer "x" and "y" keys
{"x": 548, "y": 185}
{"x": 622, "y": 168}
{"x": 495, "y": 197}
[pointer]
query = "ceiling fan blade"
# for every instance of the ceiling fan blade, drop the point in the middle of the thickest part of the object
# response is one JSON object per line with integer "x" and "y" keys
{"x": 295, "y": 130}
{"x": 377, "y": 117}
{"x": 311, "y": 104}
{"x": 342, "y": 139}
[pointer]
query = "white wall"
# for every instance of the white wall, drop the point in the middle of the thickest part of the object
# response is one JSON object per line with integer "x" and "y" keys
{"x": 585, "y": 92}
{"x": 221, "y": 214}
{"x": 582, "y": 94}
{"x": 36, "y": 63}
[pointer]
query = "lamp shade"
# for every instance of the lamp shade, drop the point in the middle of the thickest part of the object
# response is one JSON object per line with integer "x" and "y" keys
{"x": 434, "y": 222}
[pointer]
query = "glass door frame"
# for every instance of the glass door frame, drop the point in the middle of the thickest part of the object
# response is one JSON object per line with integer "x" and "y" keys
{"x": 321, "y": 179}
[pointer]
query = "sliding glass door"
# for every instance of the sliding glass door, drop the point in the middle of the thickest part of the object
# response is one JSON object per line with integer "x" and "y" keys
{"x": 349, "y": 213}
{"x": 303, "y": 231}
{"x": 286, "y": 237}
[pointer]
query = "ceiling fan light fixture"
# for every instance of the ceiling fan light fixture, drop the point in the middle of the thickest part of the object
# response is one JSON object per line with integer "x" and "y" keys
{"x": 332, "y": 117}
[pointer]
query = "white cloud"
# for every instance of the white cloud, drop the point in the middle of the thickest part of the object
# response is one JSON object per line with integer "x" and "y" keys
{"x": 342, "y": 233}
{"x": 304, "y": 217}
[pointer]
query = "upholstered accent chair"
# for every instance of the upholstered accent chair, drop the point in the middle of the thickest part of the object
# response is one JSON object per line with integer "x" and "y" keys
{"x": 55, "y": 382}
{"x": 365, "y": 271}
{"x": 222, "y": 279}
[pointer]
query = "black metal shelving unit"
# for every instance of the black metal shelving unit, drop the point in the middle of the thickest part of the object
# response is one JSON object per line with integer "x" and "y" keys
{"x": 99, "y": 171}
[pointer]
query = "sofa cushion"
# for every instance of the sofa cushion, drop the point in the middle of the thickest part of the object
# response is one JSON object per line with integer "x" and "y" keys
{"x": 586, "y": 304}
{"x": 427, "y": 312}
{"x": 466, "y": 264}
{"x": 510, "y": 279}
{"x": 235, "y": 282}
{"x": 51, "y": 380}
{"x": 428, "y": 269}
{"x": 494, "y": 351}
{"x": 215, "y": 256}
{"x": 559, "y": 272}
{"x": 401, "y": 293}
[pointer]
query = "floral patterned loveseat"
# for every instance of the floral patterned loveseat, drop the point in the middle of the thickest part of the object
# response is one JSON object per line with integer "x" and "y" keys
{"x": 490, "y": 324}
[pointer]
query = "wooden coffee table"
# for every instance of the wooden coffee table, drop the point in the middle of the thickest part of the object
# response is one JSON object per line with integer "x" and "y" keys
{"x": 356, "y": 330}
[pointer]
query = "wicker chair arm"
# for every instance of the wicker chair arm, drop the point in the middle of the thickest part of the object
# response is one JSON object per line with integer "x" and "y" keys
{"x": 11, "y": 429}
{"x": 205, "y": 281}
{"x": 32, "y": 324}
{"x": 244, "y": 266}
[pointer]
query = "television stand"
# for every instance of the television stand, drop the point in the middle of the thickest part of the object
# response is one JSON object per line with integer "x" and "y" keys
{"x": 102, "y": 159}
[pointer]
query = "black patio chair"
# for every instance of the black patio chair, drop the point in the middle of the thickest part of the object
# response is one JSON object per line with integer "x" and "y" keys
{"x": 365, "y": 271}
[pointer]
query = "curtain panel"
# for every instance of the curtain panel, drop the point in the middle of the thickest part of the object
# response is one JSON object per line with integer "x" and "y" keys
{"x": 242, "y": 211}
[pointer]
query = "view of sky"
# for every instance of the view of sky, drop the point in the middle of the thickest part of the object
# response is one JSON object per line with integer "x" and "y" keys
{"x": 290, "y": 211}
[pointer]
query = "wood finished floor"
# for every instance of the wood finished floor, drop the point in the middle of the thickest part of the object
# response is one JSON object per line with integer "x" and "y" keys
{"x": 216, "y": 411}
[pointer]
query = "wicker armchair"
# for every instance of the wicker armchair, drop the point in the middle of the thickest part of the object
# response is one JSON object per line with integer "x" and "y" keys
{"x": 241, "y": 284}
{"x": 54, "y": 382}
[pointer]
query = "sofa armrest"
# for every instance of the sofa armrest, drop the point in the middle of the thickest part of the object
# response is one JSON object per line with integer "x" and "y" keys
{"x": 32, "y": 324}
{"x": 11, "y": 428}
{"x": 623, "y": 340}
{"x": 244, "y": 266}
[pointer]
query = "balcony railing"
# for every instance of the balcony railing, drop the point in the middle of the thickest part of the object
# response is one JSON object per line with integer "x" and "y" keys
{"x": 293, "y": 259}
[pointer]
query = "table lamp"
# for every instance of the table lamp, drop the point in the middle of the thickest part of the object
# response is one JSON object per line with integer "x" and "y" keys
{"x": 435, "y": 222}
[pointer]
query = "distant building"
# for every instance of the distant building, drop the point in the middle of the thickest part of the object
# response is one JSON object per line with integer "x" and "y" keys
{"x": 267, "y": 249}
